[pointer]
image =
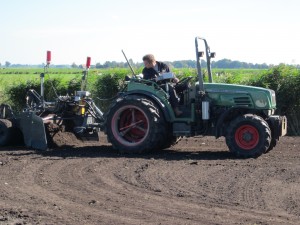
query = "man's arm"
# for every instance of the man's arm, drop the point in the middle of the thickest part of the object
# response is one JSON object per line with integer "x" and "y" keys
{"x": 149, "y": 74}
{"x": 164, "y": 67}
{"x": 167, "y": 69}
{"x": 144, "y": 74}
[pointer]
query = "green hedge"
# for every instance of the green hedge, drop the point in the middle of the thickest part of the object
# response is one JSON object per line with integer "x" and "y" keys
{"x": 15, "y": 94}
{"x": 285, "y": 81}
{"x": 106, "y": 88}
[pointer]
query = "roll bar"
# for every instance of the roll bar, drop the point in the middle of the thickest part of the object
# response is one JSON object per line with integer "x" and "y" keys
{"x": 209, "y": 55}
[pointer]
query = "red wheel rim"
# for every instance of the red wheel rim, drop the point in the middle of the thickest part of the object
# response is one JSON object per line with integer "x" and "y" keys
{"x": 130, "y": 125}
{"x": 246, "y": 137}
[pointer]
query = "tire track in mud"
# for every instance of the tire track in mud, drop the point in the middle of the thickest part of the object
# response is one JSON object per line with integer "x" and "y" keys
{"x": 88, "y": 185}
{"x": 19, "y": 200}
{"x": 284, "y": 185}
{"x": 235, "y": 195}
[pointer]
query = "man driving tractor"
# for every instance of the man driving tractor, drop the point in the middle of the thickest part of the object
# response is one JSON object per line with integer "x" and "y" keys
{"x": 152, "y": 70}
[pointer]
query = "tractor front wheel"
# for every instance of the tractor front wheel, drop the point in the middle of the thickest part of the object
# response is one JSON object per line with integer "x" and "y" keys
{"x": 135, "y": 125}
{"x": 272, "y": 145}
{"x": 248, "y": 136}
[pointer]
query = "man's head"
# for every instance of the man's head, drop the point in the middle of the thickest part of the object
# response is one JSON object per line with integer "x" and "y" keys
{"x": 149, "y": 61}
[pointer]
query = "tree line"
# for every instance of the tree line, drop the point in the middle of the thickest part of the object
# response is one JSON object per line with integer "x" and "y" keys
{"x": 220, "y": 64}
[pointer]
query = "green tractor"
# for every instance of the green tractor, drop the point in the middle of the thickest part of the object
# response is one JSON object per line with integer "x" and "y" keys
{"x": 141, "y": 119}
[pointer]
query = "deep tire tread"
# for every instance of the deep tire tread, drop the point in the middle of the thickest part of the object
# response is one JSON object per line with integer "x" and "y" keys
{"x": 158, "y": 131}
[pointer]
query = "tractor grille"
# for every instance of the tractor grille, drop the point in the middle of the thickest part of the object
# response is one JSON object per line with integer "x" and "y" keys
{"x": 242, "y": 101}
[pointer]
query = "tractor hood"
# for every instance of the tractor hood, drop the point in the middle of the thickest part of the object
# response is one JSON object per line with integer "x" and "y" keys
{"x": 240, "y": 95}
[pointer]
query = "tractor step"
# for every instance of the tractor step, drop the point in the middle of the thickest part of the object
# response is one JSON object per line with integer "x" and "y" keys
{"x": 186, "y": 111}
{"x": 182, "y": 129}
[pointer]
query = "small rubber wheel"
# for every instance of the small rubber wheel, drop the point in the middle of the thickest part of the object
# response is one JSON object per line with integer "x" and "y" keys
{"x": 5, "y": 132}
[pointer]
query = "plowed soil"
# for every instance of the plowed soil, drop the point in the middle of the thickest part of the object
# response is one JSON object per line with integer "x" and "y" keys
{"x": 195, "y": 182}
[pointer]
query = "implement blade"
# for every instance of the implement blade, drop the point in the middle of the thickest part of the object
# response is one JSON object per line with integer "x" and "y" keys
{"x": 33, "y": 130}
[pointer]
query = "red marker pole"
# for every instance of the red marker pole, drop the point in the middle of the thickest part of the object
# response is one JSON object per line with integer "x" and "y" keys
{"x": 88, "y": 62}
{"x": 48, "y": 57}
{"x": 85, "y": 73}
{"x": 48, "y": 61}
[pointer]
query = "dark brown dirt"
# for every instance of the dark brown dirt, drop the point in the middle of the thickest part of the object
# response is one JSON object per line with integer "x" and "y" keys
{"x": 196, "y": 182}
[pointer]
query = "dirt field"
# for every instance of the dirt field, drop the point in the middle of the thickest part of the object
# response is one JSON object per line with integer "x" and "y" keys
{"x": 196, "y": 182}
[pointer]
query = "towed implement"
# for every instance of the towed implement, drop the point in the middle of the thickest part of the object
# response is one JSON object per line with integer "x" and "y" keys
{"x": 141, "y": 118}
{"x": 41, "y": 120}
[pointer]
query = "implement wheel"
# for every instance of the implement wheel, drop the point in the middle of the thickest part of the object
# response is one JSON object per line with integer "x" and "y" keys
{"x": 5, "y": 132}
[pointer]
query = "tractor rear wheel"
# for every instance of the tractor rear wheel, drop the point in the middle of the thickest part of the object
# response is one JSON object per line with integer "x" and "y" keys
{"x": 5, "y": 132}
{"x": 248, "y": 136}
{"x": 170, "y": 140}
{"x": 134, "y": 124}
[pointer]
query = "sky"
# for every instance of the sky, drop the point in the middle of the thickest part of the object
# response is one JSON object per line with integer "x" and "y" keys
{"x": 253, "y": 31}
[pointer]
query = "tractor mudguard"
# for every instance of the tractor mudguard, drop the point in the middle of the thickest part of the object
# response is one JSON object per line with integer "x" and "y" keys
{"x": 229, "y": 112}
{"x": 154, "y": 98}
{"x": 33, "y": 129}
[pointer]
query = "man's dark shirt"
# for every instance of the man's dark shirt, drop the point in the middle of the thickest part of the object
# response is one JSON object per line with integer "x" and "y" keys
{"x": 152, "y": 73}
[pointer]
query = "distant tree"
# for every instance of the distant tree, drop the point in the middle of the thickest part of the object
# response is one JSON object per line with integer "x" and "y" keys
{"x": 110, "y": 64}
{"x": 131, "y": 63}
{"x": 74, "y": 65}
{"x": 106, "y": 64}
{"x": 7, "y": 64}
{"x": 98, "y": 66}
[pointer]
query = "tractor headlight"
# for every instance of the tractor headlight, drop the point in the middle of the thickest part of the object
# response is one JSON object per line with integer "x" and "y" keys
{"x": 261, "y": 103}
{"x": 263, "y": 99}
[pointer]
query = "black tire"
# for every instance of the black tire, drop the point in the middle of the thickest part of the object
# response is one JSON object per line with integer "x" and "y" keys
{"x": 5, "y": 132}
{"x": 272, "y": 144}
{"x": 170, "y": 140}
{"x": 248, "y": 136}
{"x": 6, "y": 112}
{"x": 135, "y": 125}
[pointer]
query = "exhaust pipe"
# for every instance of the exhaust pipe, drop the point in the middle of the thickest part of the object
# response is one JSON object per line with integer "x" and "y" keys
{"x": 205, "y": 110}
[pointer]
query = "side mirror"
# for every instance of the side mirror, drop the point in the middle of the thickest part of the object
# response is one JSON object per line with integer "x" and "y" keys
{"x": 212, "y": 55}
{"x": 200, "y": 54}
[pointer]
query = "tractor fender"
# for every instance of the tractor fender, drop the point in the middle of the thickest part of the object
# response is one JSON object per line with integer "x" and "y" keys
{"x": 230, "y": 114}
{"x": 154, "y": 98}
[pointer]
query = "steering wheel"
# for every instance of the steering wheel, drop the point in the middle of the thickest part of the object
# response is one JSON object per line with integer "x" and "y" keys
{"x": 184, "y": 80}
{"x": 182, "y": 84}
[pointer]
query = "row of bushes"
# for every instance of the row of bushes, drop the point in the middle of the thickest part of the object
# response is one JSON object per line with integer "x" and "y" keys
{"x": 285, "y": 80}
{"x": 15, "y": 94}
{"x": 102, "y": 86}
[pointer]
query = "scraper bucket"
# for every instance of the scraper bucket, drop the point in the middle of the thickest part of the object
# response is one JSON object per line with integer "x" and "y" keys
{"x": 33, "y": 130}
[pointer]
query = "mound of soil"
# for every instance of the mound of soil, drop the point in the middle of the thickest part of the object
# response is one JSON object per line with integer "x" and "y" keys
{"x": 58, "y": 137}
